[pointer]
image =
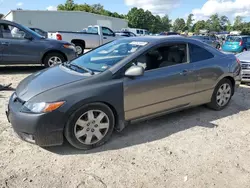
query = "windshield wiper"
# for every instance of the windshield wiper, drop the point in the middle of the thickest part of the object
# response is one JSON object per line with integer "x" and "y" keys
{"x": 81, "y": 67}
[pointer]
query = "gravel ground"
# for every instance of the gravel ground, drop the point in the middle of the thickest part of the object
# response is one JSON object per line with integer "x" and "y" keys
{"x": 193, "y": 148}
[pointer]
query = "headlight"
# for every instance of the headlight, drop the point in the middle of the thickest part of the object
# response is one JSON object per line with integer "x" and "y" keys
{"x": 41, "y": 107}
{"x": 69, "y": 46}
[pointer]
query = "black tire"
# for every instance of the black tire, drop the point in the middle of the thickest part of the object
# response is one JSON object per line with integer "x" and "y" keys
{"x": 80, "y": 46}
{"x": 50, "y": 55}
{"x": 70, "y": 126}
{"x": 214, "y": 104}
{"x": 244, "y": 50}
{"x": 218, "y": 47}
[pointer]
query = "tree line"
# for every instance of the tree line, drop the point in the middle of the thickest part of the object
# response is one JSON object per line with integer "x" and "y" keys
{"x": 139, "y": 18}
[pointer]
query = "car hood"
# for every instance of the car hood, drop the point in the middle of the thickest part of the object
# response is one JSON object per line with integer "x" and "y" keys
{"x": 244, "y": 56}
{"x": 47, "y": 79}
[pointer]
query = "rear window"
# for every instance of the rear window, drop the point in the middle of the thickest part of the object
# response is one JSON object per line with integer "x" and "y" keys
{"x": 233, "y": 39}
{"x": 199, "y": 54}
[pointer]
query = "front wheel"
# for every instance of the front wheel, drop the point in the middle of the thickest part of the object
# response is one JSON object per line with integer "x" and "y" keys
{"x": 218, "y": 47}
{"x": 53, "y": 59}
{"x": 222, "y": 95}
{"x": 90, "y": 126}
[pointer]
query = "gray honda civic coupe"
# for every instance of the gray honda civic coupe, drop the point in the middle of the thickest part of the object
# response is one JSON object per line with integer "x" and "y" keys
{"x": 83, "y": 101}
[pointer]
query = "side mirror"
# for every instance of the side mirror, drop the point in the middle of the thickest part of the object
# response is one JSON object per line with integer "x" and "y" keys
{"x": 134, "y": 71}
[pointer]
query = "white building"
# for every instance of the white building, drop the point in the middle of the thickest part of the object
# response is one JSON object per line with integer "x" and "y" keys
{"x": 63, "y": 20}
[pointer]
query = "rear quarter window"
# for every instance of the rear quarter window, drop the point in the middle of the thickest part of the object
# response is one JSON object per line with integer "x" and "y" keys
{"x": 198, "y": 53}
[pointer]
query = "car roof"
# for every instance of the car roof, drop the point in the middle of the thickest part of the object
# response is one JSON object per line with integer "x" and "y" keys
{"x": 155, "y": 39}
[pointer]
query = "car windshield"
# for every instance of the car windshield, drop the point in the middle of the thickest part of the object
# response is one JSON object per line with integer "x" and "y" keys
{"x": 233, "y": 39}
{"x": 106, "y": 56}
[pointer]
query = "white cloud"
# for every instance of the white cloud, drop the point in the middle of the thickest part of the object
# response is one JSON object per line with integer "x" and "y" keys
{"x": 51, "y": 8}
{"x": 160, "y": 7}
{"x": 230, "y": 8}
{"x": 19, "y": 4}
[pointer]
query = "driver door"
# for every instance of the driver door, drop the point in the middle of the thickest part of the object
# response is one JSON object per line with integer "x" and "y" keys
{"x": 15, "y": 48}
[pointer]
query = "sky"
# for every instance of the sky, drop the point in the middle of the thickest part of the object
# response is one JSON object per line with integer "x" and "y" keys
{"x": 201, "y": 9}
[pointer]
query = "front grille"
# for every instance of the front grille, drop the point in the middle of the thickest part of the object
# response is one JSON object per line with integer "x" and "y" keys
{"x": 245, "y": 65}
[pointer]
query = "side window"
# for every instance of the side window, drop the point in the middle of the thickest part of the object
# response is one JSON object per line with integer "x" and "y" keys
{"x": 248, "y": 39}
{"x": 138, "y": 32}
{"x": 12, "y": 32}
{"x": 199, "y": 54}
{"x": 107, "y": 32}
{"x": 164, "y": 56}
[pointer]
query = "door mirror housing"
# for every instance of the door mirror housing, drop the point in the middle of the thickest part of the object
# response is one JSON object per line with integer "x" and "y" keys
{"x": 134, "y": 71}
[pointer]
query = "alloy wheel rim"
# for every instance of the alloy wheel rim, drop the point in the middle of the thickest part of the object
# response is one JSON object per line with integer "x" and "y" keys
{"x": 91, "y": 127}
{"x": 54, "y": 61}
{"x": 223, "y": 94}
{"x": 79, "y": 50}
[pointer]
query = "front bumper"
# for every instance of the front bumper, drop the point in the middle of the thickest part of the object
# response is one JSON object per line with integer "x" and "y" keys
{"x": 40, "y": 129}
{"x": 245, "y": 74}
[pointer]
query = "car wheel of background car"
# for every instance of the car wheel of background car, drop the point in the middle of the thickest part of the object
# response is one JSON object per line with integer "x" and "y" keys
{"x": 244, "y": 50}
{"x": 53, "y": 59}
{"x": 79, "y": 48}
{"x": 218, "y": 47}
{"x": 222, "y": 95}
{"x": 90, "y": 126}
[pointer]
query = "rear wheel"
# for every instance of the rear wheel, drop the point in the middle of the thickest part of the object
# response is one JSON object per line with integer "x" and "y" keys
{"x": 222, "y": 95}
{"x": 90, "y": 126}
{"x": 244, "y": 50}
{"x": 53, "y": 59}
{"x": 218, "y": 47}
{"x": 79, "y": 48}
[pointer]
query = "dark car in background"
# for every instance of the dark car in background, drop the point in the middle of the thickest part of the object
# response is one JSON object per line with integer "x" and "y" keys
{"x": 40, "y": 32}
{"x": 123, "y": 81}
{"x": 169, "y": 33}
{"x": 21, "y": 45}
{"x": 210, "y": 40}
{"x": 125, "y": 33}
{"x": 236, "y": 44}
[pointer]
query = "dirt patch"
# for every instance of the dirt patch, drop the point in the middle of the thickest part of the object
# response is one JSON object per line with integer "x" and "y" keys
{"x": 193, "y": 148}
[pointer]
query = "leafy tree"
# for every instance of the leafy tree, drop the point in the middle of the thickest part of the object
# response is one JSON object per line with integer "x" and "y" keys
{"x": 190, "y": 22}
{"x": 215, "y": 23}
{"x": 199, "y": 26}
{"x": 224, "y": 22}
{"x": 166, "y": 23}
{"x": 238, "y": 23}
{"x": 179, "y": 25}
{"x": 1, "y": 16}
{"x": 69, "y": 6}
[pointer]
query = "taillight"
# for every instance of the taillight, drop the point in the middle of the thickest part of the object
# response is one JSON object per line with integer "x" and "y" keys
{"x": 58, "y": 37}
{"x": 241, "y": 42}
{"x": 238, "y": 61}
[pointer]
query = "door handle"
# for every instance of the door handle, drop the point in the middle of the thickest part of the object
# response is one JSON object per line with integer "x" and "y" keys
{"x": 104, "y": 37}
{"x": 5, "y": 43}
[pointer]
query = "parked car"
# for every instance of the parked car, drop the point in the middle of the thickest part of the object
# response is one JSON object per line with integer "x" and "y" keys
{"x": 236, "y": 44}
{"x": 40, "y": 32}
{"x": 244, "y": 58}
{"x": 137, "y": 31}
{"x": 125, "y": 33}
{"x": 127, "y": 80}
{"x": 21, "y": 45}
{"x": 210, "y": 40}
{"x": 92, "y": 38}
{"x": 169, "y": 33}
